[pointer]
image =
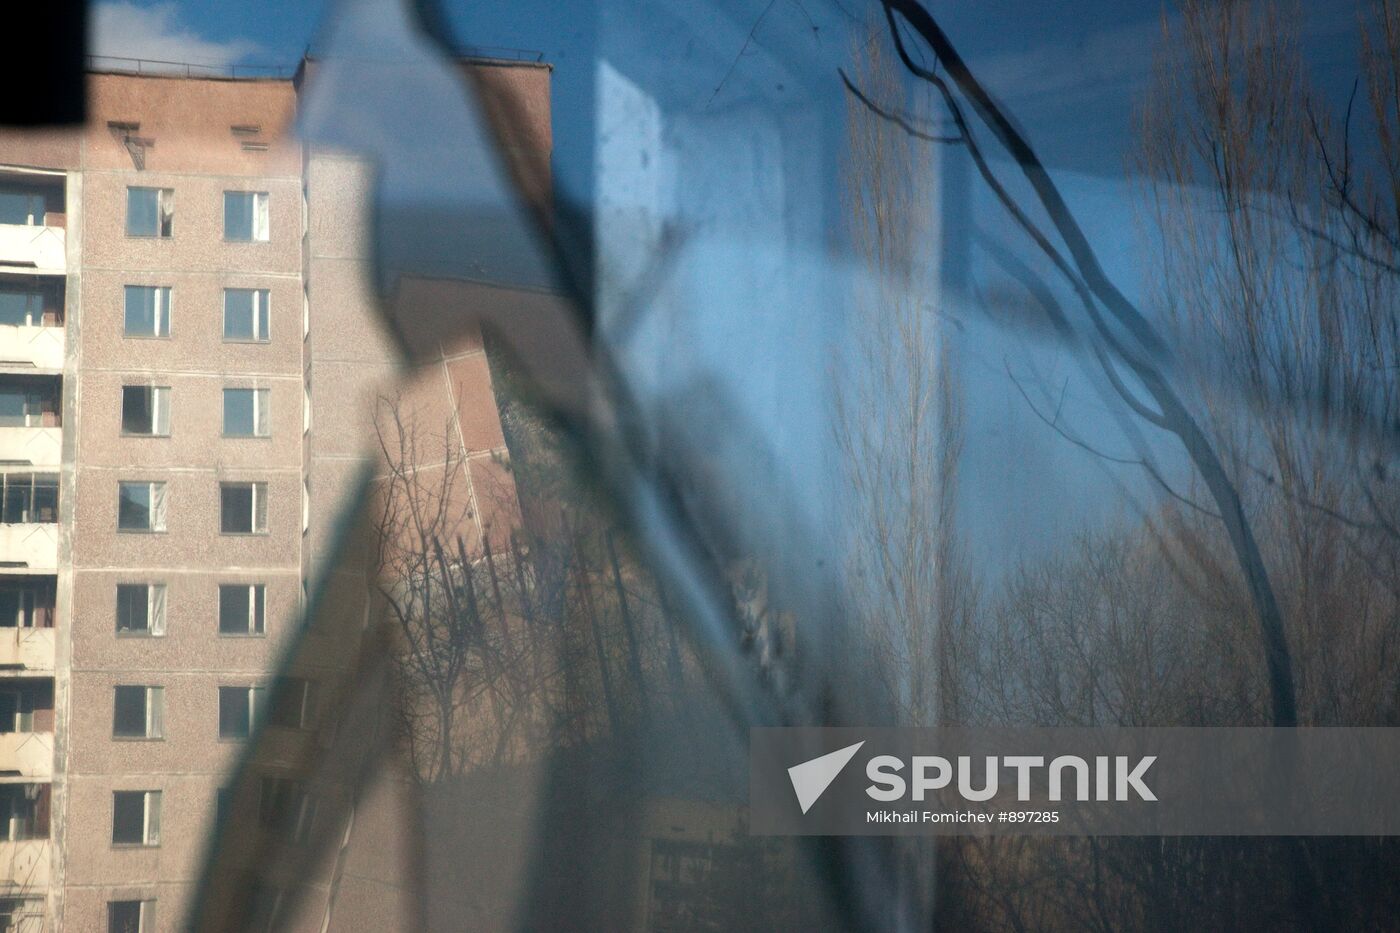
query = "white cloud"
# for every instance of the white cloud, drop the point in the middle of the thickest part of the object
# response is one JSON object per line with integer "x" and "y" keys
{"x": 123, "y": 29}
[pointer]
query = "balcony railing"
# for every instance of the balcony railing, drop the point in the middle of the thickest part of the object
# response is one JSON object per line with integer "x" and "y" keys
{"x": 32, "y": 249}
{"x": 26, "y": 347}
{"x": 25, "y": 864}
{"x": 29, "y": 546}
{"x": 26, "y": 650}
{"x": 34, "y": 446}
{"x": 26, "y": 755}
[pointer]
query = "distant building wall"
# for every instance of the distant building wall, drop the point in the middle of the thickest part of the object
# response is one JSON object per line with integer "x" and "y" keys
{"x": 324, "y": 363}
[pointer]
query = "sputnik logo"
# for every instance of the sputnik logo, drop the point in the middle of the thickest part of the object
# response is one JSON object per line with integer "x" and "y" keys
{"x": 811, "y": 778}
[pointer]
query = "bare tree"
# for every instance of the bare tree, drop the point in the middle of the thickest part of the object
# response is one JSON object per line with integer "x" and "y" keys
{"x": 472, "y": 678}
{"x": 1114, "y": 331}
{"x": 504, "y": 652}
{"x": 899, "y": 412}
{"x": 1270, "y": 248}
{"x": 1285, "y": 264}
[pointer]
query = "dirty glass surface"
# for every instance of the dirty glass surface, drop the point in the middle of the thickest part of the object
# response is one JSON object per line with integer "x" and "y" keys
{"x": 870, "y": 364}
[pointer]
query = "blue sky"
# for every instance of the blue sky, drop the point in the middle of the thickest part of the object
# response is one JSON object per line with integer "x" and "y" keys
{"x": 1069, "y": 70}
{"x": 1070, "y": 73}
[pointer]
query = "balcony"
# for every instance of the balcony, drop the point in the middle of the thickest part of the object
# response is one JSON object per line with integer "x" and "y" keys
{"x": 25, "y": 863}
{"x": 34, "y": 250}
{"x": 33, "y": 446}
{"x": 26, "y": 650}
{"x": 25, "y": 347}
{"x": 26, "y": 756}
{"x": 29, "y": 546}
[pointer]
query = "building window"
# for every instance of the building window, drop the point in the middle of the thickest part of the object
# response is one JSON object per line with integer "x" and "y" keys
{"x": 22, "y": 914}
{"x": 245, "y": 413}
{"x": 22, "y": 206}
{"x": 150, "y": 212}
{"x": 25, "y": 606}
{"x": 146, "y": 411}
{"x": 223, "y": 805}
{"x": 136, "y": 818}
{"x": 294, "y": 703}
{"x": 131, "y": 916}
{"x": 26, "y": 498}
{"x": 29, "y": 403}
{"x": 140, "y": 608}
{"x": 17, "y": 607}
{"x": 245, "y": 215}
{"x": 17, "y": 704}
{"x": 247, "y": 315}
{"x": 147, "y": 311}
{"x": 141, "y": 507}
{"x": 24, "y": 811}
{"x": 242, "y": 508}
{"x": 285, "y": 805}
{"x": 242, "y": 609}
{"x": 265, "y": 901}
{"x": 239, "y": 708}
{"x": 22, "y": 306}
{"x": 138, "y": 713}
{"x": 305, "y": 506}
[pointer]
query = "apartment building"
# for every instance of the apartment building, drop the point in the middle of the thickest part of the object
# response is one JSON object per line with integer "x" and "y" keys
{"x": 189, "y": 356}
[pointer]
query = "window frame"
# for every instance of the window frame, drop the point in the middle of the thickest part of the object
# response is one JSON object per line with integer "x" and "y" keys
{"x": 26, "y": 605}
{"x": 164, "y": 311}
{"x": 157, "y": 494}
{"x": 257, "y": 505}
{"x": 299, "y": 693}
{"x": 257, "y": 606}
{"x": 165, "y": 213}
{"x": 155, "y": 596}
{"x": 149, "y": 839}
{"x": 36, "y": 401}
{"x": 261, "y": 312}
{"x": 31, "y": 195}
{"x": 153, "y": 714}
{"x": 24, "y": 818}
{"x": 33, "y": 306}
{"x": 159, "y": 406}
{"x": 261, "y": 413}
{"x": 145, "y": 919}
{"x": 261, "y": 218}
{"x": 19, "y": 705}
{"x": 286, "y": 805}
{"x": 255, "y": 697}
{"x": 29, "y": 493}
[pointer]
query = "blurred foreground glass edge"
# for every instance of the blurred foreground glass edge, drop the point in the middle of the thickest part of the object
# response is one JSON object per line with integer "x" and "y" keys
{"x": 582, "y": 770}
